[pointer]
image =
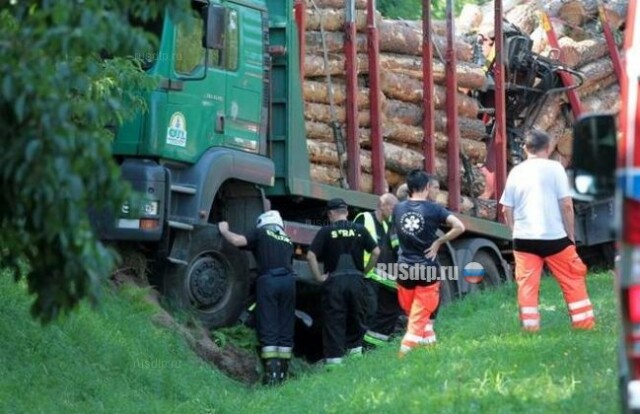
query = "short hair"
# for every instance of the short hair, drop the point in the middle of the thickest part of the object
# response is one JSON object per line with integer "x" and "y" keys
{"x": 536, "y": 140}
{"x": 402, "y": 192}
{"x": 417, "y": 180}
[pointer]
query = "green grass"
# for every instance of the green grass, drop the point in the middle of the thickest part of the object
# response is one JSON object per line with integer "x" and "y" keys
{"x": 115, "y": 360}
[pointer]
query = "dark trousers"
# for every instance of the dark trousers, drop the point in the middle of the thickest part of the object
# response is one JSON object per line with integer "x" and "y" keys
{"x": 386, "y": 309}
{"x": 275, "y": 309}
{"x": 343, "y": 313}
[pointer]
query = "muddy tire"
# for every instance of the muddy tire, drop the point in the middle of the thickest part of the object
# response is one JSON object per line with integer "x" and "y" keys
{"x": 213, "y": 283}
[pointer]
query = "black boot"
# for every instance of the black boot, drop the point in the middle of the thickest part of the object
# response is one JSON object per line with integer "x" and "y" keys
{"x": 271, "y": 371}
{"x": 284, "y": 370}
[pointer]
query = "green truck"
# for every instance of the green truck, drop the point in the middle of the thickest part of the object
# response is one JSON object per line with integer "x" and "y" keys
{"x": 224, "y": 139}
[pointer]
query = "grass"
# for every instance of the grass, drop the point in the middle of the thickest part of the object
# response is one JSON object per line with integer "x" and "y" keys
{"x": 115, "y": 360}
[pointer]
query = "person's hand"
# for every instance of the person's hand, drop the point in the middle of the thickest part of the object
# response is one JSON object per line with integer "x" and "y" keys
{"x": 323, "y": 277}
{"x": 223, "y": 226}
{"x": 432, "y": 252}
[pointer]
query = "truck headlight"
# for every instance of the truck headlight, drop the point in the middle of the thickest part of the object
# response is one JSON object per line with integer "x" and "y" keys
{"x": 151, "y": 208}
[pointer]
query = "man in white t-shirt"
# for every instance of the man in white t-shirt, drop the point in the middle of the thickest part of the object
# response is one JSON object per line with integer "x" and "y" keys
{"x": 539, "y": 210}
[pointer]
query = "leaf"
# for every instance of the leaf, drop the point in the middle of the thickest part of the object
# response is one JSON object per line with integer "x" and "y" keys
{"x": 19, "y": 107}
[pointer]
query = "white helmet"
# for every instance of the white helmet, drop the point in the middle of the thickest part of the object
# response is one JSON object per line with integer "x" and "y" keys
{"x": 270, "y": 217}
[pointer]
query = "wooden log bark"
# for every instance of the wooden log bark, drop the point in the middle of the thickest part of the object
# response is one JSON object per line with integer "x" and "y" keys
{"x": 616, "y": 11}
{"x": 333, "y": 20}
{"x": 405, "y": 38}
{"x": 318, "y": 92}
{"x": 605, "y": 101}
{"x": 597, "y": 86}
{"x": 469, "y": 75}
{"x": 323, "y": 132}
{"x": 470, "y": 18}
{"x": 322, "y": 113}
{"x": 577, "y": 12}
{"x": 549, "y": 113}
{"x": 405, "y": 88}
{"x": 334, "y": 4}
{"x": 524, "y": 16}
{"x": 596, "y": 71}
{"x": 576, "y": 54}
{"x": 328, "y": 174}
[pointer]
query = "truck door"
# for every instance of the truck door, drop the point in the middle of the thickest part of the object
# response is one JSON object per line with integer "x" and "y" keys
{"x": 245, "y": 77}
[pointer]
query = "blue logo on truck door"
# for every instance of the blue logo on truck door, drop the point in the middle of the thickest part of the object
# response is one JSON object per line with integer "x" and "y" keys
{"x": 177, "y": 131}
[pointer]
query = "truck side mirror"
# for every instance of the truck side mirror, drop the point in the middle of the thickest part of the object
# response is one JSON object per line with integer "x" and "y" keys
{"x": 214, "y": 25}
{"x": 594, "y": 155}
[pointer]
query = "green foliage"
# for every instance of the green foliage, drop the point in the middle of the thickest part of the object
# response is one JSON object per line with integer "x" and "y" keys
{"x": 56, "y": 97}
{"x": 115, "y": 360}
{"x": 412, "y": 9}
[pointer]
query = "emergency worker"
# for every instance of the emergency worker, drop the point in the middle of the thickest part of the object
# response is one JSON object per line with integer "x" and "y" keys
{"x": 275, "y": 291}
{"x": 385, "y": 309}
{"x": 341, "y": 246}
{"x": 538, "y": 208}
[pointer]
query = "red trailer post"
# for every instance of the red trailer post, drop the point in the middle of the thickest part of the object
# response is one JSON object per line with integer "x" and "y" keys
{"x": 301, "y": 21}
{"x": 611, "y": 42}
{"x": 350, "y": 52}
{"x": 428, "y": 126}
{"x": 375, "y": 105}
{"x": 500, "y": 134}
{"x": 453, "y": 144}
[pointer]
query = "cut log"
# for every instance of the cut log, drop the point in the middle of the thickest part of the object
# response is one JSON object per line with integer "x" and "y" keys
{"x": 325, "y": 153}
{"x": 616, "y": 11}
{"x": 556, "y": 156}
{"x": 576, "y": 54}
{"x": 577, "y": 12}
{"x": 598, "y": 86}
{"x": 549, "y": 113}
{"x": 333, "y": 42}
{"x": 332, "y": 20}
{"x": 596, "y": 71}
{"x": 334, "y": 4}
{"x": 470, "y": 18}
{"x": 406, "y": 38}
{"x": 327, "y": 174}
{"x": 407, "y": 89}
{"x": 323, "y": 132}
{"x": 469, "y": 75}
{"x": 605, "y": 101}
{"x": 322, "y": 113}
{"x": 524, "y": 16}
{"x": 318, "y": 92}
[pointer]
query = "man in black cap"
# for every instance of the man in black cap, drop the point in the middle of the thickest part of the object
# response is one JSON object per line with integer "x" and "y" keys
{"x": 341, "y": 246}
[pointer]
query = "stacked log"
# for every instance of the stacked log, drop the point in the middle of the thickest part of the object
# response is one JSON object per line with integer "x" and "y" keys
{"x": 582, "y": 47}
{"x": 400, "y": 44}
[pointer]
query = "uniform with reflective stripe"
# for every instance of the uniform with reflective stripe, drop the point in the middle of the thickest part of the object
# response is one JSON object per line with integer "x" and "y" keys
{"x": 370, "y": 225}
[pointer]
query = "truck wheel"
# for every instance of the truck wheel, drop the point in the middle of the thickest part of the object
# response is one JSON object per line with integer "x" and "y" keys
{"x": 214, "y": 283}
{"x": 491, "y": 274}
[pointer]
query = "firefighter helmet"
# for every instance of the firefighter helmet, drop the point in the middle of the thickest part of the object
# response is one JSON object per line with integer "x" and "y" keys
{"x": 270, "y": 217}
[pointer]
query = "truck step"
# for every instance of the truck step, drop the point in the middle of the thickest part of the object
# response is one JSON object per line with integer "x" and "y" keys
{"x": 180, "y": 225}
{"x": 177, "y": 261}
{"x": 183, "y": 189}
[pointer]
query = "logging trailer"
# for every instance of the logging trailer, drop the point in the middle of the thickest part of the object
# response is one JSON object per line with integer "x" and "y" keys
{"x": 224, "y": 137}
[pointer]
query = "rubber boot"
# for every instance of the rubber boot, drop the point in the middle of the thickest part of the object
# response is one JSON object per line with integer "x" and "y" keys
{"x": 284, "y": 370}
{"x": 271, "y": 371}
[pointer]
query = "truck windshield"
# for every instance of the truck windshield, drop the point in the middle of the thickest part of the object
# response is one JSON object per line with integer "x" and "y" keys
{"x": 153, "y": 29}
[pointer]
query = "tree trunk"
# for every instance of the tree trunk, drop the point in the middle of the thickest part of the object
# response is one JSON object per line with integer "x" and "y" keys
{"x": 605, "y": 101}
{"x": 323, "y": 132}
{"x": 616, "y": 11}
{"x": 328, "y": 174}
{"x": 597, "y": 87}
{"x": 596, "y": 71}
{"x": 333, "y": 20}
{"x": 397, "y": 36}
{"x": 317, "y": 92}
{"x": 524, "y": 16}
{"x": 334, "y": 4}
{"x": 470, "y": 18}
{"x": 576, "y": 54}
{"x": 577, "y": 12}
{"x": 322, "y": 113}
{"x": 407, "y": 89}
{"x": 549, "y": 113}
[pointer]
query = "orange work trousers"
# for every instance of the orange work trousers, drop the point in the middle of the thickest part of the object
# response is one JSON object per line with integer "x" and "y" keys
{"x": 569, "y": 271}
{"x": 419, "y": 304}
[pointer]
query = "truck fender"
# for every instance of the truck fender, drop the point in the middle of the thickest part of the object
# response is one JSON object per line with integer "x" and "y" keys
{"x": 215, "y": 167}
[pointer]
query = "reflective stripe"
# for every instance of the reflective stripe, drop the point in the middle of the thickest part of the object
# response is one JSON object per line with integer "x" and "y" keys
{"x": 579, "y": 304}
{"x": 333, "y": 361}
{"x": 530, "y": 322}
{"x": 377, "y": 335}
{"x": 429, "y": 327}
{"x": 428, "y": 340}
{"x": 411, "y": 338}
{"x": 404, "y": 349}
{"x": 355, "y": 351}
{"x": 284, "y": 352}
{"x": 370, "y": 226}
{"x": 582, "y": 316}
{"x": 529, "y": 309}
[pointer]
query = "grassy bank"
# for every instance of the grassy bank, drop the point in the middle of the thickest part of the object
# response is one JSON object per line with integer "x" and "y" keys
{"x": 115, "y": 360}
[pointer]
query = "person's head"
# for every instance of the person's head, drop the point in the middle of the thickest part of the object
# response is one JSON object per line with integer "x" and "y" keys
{"x": 270, "y": 220}
{"x": 386, "y": 203}
{"x": 402, "y": 193}
{"x": 418, "y": 183}
{"x": 434, "y": 189}
{"x": 337, "y": 209}
{"x": 537, "y": 143}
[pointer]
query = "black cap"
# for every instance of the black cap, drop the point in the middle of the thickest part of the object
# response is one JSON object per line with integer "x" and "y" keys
{"x": 336, "y": 203}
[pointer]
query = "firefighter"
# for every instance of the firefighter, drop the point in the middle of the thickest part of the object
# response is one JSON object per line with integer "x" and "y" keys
{"x": 275, "y": 291}
{"x": 416, "y": 221}
{"x": 385, "y": 309}
{"x": 538, "y": 208}
{"x": 340, "y": 246}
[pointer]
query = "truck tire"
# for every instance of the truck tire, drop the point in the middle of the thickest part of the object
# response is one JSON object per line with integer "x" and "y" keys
{"x": 492, "y": 276}
{"x": 213, "y": 285}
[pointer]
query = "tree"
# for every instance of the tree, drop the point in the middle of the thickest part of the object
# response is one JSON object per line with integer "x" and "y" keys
{"x": 56, "y": 96}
